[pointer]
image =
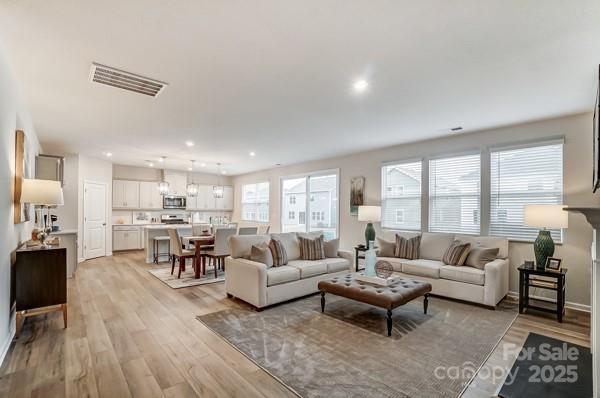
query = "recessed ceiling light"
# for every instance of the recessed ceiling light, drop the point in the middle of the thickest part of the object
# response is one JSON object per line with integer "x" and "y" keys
{"x": 190, "y": 169}
{"x": 161, "y": 159}
{"x": 252, "y": 154}
{"x": 203, "y": 165}
{"x": 108, "y": 154}
{"x": 189, "y": 143}
{"x": 360, "y": 86}
{"x": 223, "y": 172}
{"x": 150, "y": 164}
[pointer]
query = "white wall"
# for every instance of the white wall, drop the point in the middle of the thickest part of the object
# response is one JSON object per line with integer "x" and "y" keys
{"x": 13, "y": 116}
{"x": 577, "y": 131}
{"x": 95, "y": 170}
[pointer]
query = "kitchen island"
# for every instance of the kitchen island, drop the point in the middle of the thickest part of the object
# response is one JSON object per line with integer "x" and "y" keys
{"x": 152, "y": 231}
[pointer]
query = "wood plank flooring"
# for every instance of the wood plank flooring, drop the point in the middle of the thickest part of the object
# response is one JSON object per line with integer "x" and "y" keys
{"x": 130, "y": 335}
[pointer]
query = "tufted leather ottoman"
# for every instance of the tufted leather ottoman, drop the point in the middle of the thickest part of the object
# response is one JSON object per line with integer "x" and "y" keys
{"x": 387, "y": 297}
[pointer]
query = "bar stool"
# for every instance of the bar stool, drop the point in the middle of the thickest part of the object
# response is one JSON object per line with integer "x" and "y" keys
{"x": 156, "y": 245}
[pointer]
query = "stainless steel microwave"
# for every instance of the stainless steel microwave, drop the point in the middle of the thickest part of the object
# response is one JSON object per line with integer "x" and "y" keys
{"x": 174, "y": 202}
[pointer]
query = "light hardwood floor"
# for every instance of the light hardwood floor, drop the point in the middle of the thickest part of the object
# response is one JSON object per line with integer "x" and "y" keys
{"x": 131, "y": 335}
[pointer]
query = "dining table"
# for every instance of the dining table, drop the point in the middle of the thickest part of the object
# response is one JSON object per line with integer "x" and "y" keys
{"x": 200, "y": 242}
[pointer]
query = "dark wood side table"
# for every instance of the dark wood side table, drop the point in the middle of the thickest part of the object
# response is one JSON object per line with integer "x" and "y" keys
{"x": 40, "y": 282}
{"x": 558, "y": 285}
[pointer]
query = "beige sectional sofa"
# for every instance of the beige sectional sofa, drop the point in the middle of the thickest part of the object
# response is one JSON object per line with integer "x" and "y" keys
{"x": 260, "y": 286}
{"x": 488, "y": 286}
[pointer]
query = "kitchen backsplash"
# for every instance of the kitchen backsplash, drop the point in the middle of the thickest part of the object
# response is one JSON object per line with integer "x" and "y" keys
{"x": 120, "y": 217}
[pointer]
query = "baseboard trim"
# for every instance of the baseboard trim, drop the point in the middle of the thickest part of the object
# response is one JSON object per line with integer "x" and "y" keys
{"x": 11, "y": 335}
{"x": 568, "y": 304}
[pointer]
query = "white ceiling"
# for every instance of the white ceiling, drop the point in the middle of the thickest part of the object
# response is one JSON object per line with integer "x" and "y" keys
{"x": 275, "y": 77}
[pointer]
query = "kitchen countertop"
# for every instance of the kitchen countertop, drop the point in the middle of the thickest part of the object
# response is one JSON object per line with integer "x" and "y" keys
{"x": 64, "y": 232}
{"x": 165, "y": 226}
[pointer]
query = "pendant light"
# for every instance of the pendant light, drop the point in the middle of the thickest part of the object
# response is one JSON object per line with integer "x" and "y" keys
{"x": 218, "y": 189}
{"x": 191, "y": 189}
{"x": 163, "y": 186}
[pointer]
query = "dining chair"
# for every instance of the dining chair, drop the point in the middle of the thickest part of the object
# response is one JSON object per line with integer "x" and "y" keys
{"x": 248, "y": 231}
{"x": 263, "y": 229}
{"x": 220, "y": 250}
{"x": 178, "y": 252}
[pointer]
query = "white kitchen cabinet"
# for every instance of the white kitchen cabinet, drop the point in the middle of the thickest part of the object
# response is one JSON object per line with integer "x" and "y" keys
{"x": 126, "y": 194}
{"x": 177, "y": 182}
{"x": 206, "y": 200}
{"x": 226, "y": 202}
{"x": 191, "y": 203}
{"x": 126, "y": 238}
{"x": 150, "y": 197}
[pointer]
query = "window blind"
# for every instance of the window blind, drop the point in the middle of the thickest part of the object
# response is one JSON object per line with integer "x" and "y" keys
{"x": 531, "y": 175}
{"x": 401, "y": 196}
{"x": 255, "y": 202}
{"x": 454, "y": 194}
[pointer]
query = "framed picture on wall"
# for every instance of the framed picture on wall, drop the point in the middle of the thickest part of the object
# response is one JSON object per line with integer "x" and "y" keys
{"x": 23, "y": 169}
{"x": 357, "y": 194}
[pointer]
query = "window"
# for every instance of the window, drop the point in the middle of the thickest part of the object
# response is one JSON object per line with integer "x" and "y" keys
{"x": 454, "y": 194}
{"x": 315, "y": 201}
{"x": 255, "y": 202}
{"x": 520, "y": 176}
{"x": 292, "y": 215}
{"x": 400, "y": 216}
{"x": 401, "y": 192}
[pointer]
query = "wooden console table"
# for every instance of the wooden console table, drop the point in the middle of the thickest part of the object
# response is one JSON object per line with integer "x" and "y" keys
{"x": 40, "y": 282}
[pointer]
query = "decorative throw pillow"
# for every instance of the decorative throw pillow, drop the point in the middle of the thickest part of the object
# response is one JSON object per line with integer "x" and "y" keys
{"x": 311, "y": 249}
{"x": 457, "y": 253}
{"x": 261, "y": 253}
{"x": 480, "y": 256}
{"x": 331, "y": 248}
{"x": 278, "y": 253}
{"x": 407, "y": 248}
{"x": 386, "y": 248}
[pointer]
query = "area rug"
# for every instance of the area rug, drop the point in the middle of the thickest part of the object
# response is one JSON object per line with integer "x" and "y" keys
{"x": 187, "y": 278}
{"x": 550, "y": 368}
{"x": 345, "y": 351}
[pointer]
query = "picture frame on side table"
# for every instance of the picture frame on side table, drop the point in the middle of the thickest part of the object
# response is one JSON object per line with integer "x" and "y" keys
{"x": 357, "y": 194}
{"x": 553, "y": 264}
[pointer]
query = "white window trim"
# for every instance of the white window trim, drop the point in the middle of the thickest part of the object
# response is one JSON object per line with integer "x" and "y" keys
{"x": 317, "y": 173}
{"x": 256, "y": 202}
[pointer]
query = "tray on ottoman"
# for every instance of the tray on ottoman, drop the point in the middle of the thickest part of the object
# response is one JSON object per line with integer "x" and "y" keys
{"x": 386, "y": 297}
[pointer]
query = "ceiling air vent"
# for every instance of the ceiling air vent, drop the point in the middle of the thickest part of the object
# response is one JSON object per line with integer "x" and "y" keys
{"x": 127, "y": 81}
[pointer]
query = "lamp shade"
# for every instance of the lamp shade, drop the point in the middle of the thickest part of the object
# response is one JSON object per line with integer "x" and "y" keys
{"x": 546, "y": 216}
{"x": 369, "y": 213}
{"x": 42, "y": 192}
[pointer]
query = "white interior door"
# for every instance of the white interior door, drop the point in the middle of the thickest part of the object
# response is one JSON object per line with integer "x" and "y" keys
{"x": 94, "y": 220}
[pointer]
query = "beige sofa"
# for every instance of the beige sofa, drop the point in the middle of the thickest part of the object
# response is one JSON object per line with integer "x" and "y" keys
{"x": 488, "y": 286}
{"x": 260, "y": 286}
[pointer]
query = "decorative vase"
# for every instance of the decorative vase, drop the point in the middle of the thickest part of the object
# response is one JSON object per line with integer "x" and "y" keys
{"x": 369, "y": 233}
{"x": 370, "y": 260}
{"x": 543, "y": 247}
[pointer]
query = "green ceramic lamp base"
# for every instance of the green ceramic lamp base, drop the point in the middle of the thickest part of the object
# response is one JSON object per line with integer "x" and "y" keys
{"x": 543, "y": 247}
{"x": 369, "y": 233}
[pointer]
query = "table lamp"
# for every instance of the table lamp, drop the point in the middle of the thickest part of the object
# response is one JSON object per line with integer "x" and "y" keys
{"x": 545, "y": 217}
{"x": 369, "y": 214}
{"x": 44, "y": 193}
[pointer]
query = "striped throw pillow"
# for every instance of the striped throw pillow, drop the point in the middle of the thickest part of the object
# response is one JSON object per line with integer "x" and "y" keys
{"x": 312, "y": 249}
{"x": 278, "y": 253}
{"x": 407, "y": 248}
{"x": 457, "y": 253}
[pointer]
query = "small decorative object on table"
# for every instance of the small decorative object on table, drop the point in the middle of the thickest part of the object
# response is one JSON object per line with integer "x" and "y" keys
{"x": 553, "y": 264}
{"x": 383, "y": 269}
{"x": 545, "y": 216}
{"x": 377, "y": 280}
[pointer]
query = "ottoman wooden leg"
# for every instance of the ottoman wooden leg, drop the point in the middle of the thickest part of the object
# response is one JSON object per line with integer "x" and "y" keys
{"x": 425, "y": 303}
{"x": 322, "y": 301}
{"x": 389, "y": 322}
